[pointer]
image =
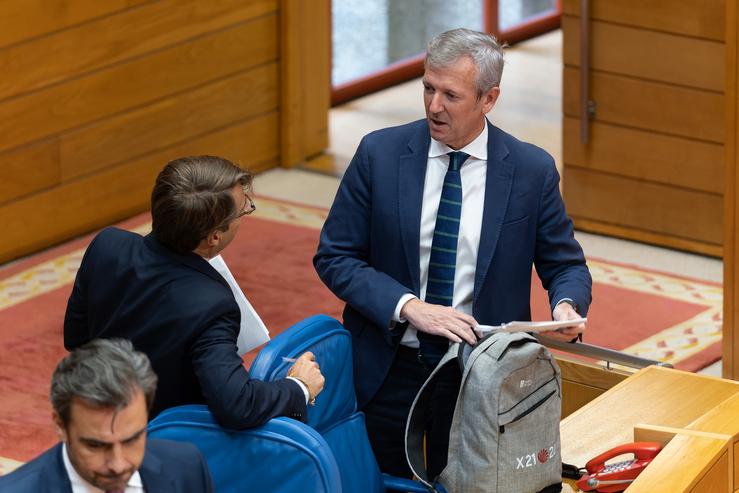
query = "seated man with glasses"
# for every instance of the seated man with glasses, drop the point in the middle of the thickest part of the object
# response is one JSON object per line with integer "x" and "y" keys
{"x": 160, "y": 292}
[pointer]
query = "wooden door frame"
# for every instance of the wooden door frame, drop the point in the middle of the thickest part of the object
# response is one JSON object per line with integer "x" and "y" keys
{"x": 731, "y": 204}
{"x": 305, "y": 80}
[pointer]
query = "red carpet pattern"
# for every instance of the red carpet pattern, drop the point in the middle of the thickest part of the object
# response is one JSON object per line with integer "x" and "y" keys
{"x": 656, "y": 315}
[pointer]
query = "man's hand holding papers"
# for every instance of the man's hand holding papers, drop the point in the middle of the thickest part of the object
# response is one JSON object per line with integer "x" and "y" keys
{"x": 562, "y": 312}
{"x": 564, "y": 330}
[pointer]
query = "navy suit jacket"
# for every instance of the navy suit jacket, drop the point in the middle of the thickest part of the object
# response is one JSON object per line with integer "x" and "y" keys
{"x": 168, "y": 467}
{"x": 369, "y": 249}
{"x": 180, "y": 312}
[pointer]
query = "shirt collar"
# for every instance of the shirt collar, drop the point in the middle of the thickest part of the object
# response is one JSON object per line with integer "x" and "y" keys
{"x": 80, "y": 485}
{"x": 478, "y": 148}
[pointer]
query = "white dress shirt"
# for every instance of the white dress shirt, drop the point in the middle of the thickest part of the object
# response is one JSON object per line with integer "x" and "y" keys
{"x": 79, "y": 485}
{"x": 303, "y": 387}
{"x": 473, "y": 174}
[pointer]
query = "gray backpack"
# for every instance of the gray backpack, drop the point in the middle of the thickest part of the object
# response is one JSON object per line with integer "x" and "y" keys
{"x": 505, "y": 431}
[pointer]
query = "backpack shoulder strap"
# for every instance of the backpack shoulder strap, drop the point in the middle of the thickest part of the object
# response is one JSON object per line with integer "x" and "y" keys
{"x": 414, "y": 429}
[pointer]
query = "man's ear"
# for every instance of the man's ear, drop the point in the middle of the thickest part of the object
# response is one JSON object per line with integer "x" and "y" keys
{"x": 59, "y": 427}
{"x": 490, "y": 98}
{"x": 214, "y": 238}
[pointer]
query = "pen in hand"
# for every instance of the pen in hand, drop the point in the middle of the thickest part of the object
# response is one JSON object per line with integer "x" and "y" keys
{"x": 312, "y": 402}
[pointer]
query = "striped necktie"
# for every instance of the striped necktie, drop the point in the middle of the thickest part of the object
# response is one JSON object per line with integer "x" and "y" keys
{"x": 443, "y": 261}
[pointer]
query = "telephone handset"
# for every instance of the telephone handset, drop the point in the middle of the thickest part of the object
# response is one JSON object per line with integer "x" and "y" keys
{"x": 614, "y": 477}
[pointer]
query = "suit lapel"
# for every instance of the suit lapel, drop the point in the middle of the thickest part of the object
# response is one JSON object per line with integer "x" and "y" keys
{"x": 57, "y": 470}
{"x": 154, "y": 479}
{"x": 498, "y": 183}
{"x": 411, "y": 178}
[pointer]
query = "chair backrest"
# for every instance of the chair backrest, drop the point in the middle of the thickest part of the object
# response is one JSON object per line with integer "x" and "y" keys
{"x": 331, "y": 344}
{"x": 335, "y": 414}
{"x": 281, "y": 456}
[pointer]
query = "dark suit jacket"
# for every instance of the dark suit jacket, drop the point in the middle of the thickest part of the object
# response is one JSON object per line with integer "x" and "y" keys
{"x": 168, "y": 467}
{"x": 180, "y": 312}
{"x": 369, "y": 249}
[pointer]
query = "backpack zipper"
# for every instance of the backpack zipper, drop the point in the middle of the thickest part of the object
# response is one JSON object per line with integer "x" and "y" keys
{"x": 533, "y": 408}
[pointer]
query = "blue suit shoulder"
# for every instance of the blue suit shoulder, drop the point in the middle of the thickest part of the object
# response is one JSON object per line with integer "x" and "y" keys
{"x": 44, "y": 473}
{"x": 116, "y": 234}
{"x": 526, "y": 154}
{"x": 112, "y": 240}
{"x": 390, "y": 136}
{"x": 178, "y": 464}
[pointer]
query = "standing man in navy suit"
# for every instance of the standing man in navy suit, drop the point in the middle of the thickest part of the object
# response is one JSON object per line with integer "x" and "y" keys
{"x": 435, "y": 228}
{"x": 161, "y": 293}
{"x": 100, "y": 394}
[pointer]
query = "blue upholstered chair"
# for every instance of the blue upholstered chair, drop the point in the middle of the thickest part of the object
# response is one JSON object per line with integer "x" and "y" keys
{"x": 330, "y": 454}
{"x": 335, "y": 414}
{"x": 282, "y": 456}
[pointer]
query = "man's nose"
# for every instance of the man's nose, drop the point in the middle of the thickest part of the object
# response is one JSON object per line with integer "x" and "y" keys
{"x": 116, "y": 461}
{"x": 435, "y": 105}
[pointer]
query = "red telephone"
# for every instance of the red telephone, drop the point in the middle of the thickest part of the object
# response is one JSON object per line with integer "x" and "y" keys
{"x": 614, "y": 477}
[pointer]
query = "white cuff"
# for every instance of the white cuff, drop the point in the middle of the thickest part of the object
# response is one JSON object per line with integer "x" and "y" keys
{"x": 302, "y": 386}
{"x": 403, "y": 300}
{"x": 567, "y": 300}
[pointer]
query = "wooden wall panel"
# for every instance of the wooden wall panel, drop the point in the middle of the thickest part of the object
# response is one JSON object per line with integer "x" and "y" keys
{"x": 141, "y": 131}
{"x": 654, "y": 106}
{"x": 29, "y": 169}
{"x": 703, "y": 19}
{"x": 117, "y": 192}
{"x": 306, "y": 83}
{"x": 21, "y": 20}
{"x": 97, "y": 96}
{"x": 121, "y": 37}
{"x": 647, "y": 54}
{"x": 175, "y": 119}
{"x": 663, "y": 209}
{"x": 140, "y": 81}
{"x": 104, "y": 93}
{"x": 655, "y": 93}
{"x": 650, "y": 237}
{"x": 648, "y": 156}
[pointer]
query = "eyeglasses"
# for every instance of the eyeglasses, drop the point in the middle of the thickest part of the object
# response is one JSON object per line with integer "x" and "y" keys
{"x": 249, "y": 207}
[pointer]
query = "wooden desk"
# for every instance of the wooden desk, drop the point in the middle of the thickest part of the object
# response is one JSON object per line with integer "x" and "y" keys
{"x": 695, "y": 416}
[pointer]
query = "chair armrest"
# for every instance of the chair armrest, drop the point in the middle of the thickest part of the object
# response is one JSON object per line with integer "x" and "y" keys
{"x": 254, "y": 459}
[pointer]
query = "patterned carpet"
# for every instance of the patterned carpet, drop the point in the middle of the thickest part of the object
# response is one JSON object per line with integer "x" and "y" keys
{"x": 652, "y": 314}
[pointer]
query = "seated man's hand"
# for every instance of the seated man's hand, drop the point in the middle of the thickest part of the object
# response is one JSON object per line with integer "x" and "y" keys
{"x": 565, "y": 311}
{"x": 306, "y": 370}
{"x": 440, "y": 320}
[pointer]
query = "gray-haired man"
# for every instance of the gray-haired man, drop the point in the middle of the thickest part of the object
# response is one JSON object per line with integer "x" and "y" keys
{"x": 435, "y": 228}
{"x": 100, "y": 394}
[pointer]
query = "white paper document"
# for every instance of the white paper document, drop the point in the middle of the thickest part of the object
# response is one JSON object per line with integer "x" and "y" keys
{"x": 530, "y": 326}
{"x": 253, "y": 332}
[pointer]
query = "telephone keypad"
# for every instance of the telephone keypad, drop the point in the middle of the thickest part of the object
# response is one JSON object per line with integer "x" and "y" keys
{"x": 618, "y": 466}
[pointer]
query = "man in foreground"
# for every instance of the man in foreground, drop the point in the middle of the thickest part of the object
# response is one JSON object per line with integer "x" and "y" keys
{"x": 100, "y": 394}
{"x": 160, "y": 292}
